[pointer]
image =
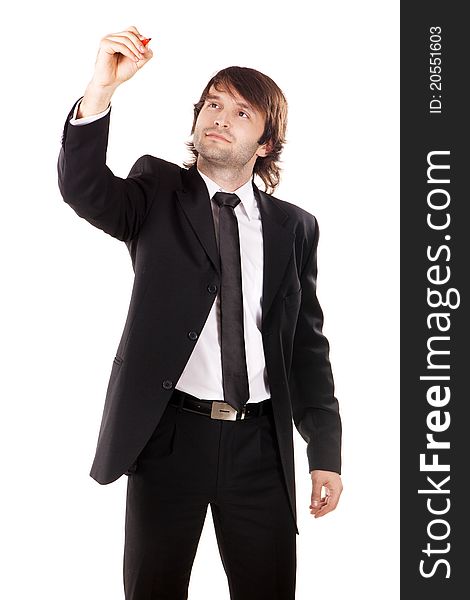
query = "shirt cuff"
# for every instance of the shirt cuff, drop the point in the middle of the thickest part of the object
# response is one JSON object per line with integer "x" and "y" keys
{"x": 89, "y": 119}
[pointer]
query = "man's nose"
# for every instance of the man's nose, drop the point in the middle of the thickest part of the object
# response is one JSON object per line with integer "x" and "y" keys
{"x": 221, "y": 121}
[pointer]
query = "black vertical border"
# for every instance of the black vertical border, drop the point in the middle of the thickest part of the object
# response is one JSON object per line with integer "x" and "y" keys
{"x": 421, "y": 133}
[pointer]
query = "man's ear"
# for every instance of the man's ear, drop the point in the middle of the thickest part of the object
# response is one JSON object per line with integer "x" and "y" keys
{"x": 265, "y": 149}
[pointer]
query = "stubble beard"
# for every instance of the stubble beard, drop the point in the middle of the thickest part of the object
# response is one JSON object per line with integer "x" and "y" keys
{"x": 223, "y": 154}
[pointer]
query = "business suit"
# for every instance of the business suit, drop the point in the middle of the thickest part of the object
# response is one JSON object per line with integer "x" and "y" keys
{"x": 162, "y": 213}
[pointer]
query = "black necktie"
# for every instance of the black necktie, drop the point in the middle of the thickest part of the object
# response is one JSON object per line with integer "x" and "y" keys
{"x": 234, "y": 370}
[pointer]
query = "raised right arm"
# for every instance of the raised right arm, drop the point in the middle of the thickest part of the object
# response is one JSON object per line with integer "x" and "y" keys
{"x": 117, "y": 206}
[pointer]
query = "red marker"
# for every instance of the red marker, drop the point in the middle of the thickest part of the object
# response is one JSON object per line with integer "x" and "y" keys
{"x": 145, "y": 41}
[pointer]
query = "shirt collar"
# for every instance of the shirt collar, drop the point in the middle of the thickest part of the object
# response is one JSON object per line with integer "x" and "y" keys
{"x": 244, "y": 192}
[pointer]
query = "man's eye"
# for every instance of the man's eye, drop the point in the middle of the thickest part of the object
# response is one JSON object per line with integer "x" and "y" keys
{"x": 241, "y": 112}
{"x": 213, "y": 104}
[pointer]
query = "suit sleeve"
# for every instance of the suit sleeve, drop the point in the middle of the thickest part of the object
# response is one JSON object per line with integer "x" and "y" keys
{"x": 115, "y": 205}
{"x": 314, "y": 406}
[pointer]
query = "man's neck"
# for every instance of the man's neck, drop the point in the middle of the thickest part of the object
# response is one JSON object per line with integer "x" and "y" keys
{"x": 227, "y": 178}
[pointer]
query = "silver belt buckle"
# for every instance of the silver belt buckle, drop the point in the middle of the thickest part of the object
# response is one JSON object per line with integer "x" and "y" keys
{"x": 223, "y": 410}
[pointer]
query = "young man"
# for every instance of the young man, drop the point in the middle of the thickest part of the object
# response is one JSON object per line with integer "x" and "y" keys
{"x": 223, "y": 343}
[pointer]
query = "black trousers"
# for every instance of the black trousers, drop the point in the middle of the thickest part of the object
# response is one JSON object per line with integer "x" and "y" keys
{"x": 192, "y": 461}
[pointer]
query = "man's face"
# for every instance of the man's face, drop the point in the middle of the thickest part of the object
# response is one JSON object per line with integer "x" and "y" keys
{"x": 227, "y": 131}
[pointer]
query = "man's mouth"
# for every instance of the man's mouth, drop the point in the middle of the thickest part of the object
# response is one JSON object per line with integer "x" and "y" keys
{"x": 216, "y": 136}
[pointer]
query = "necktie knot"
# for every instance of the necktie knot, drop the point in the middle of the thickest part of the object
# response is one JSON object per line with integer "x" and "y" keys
{"x": 226, "y": 199}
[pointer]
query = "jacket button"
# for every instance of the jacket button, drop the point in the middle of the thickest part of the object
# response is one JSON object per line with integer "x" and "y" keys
{"x": 167, "y": 384}
{"x": 192, "y": 335}
{"x": 212, "y": 288}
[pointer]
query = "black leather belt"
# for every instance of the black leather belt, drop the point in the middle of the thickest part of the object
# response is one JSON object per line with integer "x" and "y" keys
{"x": 219, "y": 410}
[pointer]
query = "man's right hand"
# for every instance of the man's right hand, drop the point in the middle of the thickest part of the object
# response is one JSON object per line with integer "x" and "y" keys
{"x": 119, "y": 57}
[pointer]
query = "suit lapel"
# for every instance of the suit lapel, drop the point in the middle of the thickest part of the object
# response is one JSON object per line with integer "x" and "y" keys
{"x": 195, "y": 201}
{"x": 278, "y": 241}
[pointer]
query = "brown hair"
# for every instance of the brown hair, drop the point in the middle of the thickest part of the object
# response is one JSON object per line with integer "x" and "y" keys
{"x": 260, "y": 91}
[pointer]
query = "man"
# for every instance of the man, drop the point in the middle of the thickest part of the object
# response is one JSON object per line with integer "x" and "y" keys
{"x": 223, "y": 343}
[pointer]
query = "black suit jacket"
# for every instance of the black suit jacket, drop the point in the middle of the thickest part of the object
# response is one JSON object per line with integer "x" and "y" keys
{"x": 162, "y": 212}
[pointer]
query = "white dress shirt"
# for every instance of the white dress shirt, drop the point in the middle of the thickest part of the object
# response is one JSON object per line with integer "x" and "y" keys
{"x": 206, "y": 357}
{"x": 202, "y": 375}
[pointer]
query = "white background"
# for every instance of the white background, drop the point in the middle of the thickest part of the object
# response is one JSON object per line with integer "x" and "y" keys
{"x": 67, "y": 285}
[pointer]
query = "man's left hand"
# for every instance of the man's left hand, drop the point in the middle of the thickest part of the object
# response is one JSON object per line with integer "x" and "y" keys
{"x": 331, "y": 481}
